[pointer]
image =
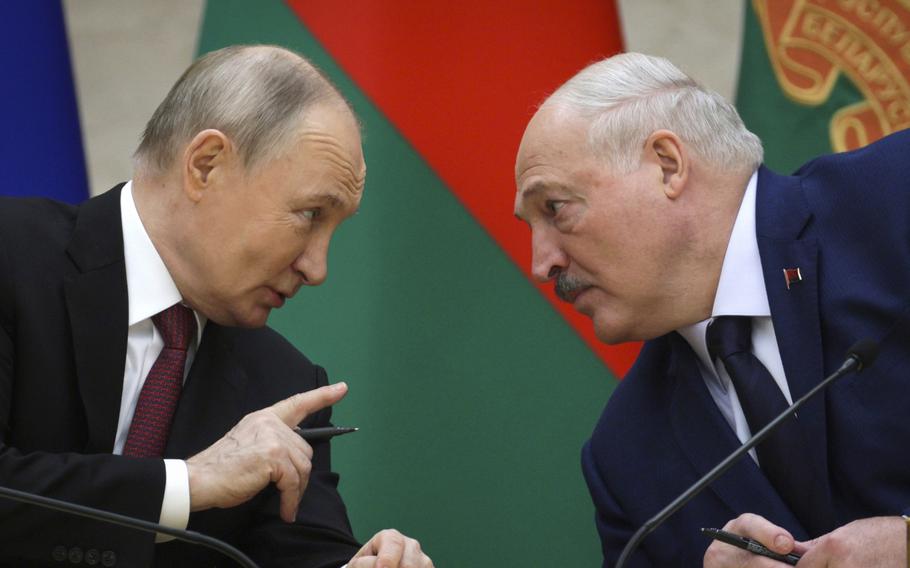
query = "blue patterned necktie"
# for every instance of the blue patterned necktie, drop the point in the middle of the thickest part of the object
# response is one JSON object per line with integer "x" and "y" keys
{"x": 783, "y": 455}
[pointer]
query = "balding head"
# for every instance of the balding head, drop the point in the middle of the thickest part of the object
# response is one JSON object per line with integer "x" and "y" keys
{"x": 256, "y": 95}
{"x": 625, "y": 98}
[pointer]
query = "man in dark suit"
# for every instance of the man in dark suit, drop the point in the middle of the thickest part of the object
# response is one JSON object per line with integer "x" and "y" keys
{"x": 135, "y": 372}
{"x": 651, "y": 213}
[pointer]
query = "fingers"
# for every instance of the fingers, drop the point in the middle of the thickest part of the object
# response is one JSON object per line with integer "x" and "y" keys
{"x": 294, "y": 409}
{"x": 802, "y": 548}
{"x": 391, "y": 549}
{"x": 764, "y": 531}
{"x": 721, "y": 555}
{"x": 413, "y": 555}
{"x": 261, "y": 448}
{"x": 291, "y": 476}
{"x": 877, "y": 541}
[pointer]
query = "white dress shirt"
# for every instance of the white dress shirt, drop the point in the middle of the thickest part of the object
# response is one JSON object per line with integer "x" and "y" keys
{"x": 150, "y": 290}
{"x": 740, "y": 292}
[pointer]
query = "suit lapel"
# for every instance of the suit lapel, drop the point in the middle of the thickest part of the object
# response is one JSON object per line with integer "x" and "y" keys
{"x": 96, "y": 300}
{"x": 212, "y": 401}
{"x": 706, "y": 439}
{"x": 785, "y": 240}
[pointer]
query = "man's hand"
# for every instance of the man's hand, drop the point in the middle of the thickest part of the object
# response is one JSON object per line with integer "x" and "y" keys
{"x": 390, "y": 549}
{"x": 879, "y": 542}
{"x": 261, "y": 449}
{"x": 722, "y": 555}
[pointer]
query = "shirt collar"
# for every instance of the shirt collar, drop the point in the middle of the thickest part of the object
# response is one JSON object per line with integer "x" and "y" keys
{"x": 741, "y": 288}
{"x": 150, "y": 288}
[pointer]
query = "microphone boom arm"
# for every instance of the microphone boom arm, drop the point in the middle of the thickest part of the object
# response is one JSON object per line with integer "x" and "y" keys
{"x": 130, "y": 522}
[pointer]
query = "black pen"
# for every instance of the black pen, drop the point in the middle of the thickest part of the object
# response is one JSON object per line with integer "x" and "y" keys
{"x": 751, "y": 545}
{"x": 321, "y": 434}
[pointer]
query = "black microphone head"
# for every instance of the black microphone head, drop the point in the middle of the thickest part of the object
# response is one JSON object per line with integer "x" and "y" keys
{"x": 864, "y": 351}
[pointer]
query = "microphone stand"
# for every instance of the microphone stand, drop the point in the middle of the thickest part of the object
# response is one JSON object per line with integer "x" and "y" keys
{"x": 122, "y": 520}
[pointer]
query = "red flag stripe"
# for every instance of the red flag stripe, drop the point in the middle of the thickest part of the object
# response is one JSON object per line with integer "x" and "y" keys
{"x": 460, "y": 80}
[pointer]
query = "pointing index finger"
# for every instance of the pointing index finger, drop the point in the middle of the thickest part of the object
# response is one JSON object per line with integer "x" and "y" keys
{"x": 294, "y": 409}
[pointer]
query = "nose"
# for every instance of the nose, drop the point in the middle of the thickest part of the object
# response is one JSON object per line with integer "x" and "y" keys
{"x": 312, "y": 264}
{"x": 547, "y": 258}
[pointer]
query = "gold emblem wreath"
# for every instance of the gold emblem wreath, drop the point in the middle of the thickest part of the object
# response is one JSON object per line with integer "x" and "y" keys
{"x": 810, "y": 42}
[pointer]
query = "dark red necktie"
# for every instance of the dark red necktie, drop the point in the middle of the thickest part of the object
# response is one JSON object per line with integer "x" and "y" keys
{"x": 158, "y": 398}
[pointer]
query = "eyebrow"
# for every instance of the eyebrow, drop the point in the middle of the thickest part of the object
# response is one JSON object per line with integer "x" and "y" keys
{"x": 530, "y": 191}
{"x": 332, "y": 199}
{"x": 534, "y": 188}
{"x": 540, "y": 186}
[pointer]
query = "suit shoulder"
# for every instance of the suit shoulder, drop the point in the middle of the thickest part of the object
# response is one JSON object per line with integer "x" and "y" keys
{"x": 885, "y": 158}
{"x": 30, "y": 218}
{"x": 867, "y": 188}
{"x": 34, "y": 233}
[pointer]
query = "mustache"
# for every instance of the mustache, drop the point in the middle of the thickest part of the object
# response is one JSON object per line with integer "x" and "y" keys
{"x": 567, "y": 287}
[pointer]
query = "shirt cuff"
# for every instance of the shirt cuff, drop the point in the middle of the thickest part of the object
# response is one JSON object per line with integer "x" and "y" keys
{"x": 175, "y": 507}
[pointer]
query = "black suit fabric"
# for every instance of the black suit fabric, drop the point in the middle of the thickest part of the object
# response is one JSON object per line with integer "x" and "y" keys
{"x": 63, "y": 332}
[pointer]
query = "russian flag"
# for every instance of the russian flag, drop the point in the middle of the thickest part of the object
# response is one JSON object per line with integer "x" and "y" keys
{"x": 41, "y": 145}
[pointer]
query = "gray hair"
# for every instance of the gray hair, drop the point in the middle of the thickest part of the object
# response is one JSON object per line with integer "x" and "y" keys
{"x": 256, "y": 95}
{"x": 629, "y": 96}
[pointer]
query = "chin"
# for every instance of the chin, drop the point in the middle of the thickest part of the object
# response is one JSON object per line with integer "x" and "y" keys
{"x": 613, "y": 332}
{"x": 610, "y": 337}
{"x": 615, "y": 336}
{"x": 255, "y": 317}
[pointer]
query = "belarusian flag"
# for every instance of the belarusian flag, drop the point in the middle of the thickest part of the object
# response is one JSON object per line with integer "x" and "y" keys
{"x": 473, "y": 394}
{"x": 820, "y": 76}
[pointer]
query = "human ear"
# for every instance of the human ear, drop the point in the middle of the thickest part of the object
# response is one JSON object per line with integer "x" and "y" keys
{"x": 665, "y": 149}
{"x": 205, "y": 156}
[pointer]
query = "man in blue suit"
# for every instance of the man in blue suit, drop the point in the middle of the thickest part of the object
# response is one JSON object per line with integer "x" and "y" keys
{"x": 651, "y": 213}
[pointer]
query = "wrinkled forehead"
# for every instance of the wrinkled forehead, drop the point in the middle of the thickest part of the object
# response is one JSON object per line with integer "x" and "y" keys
{"x": 331, "y": 136}
{"x": 333, "y": 118}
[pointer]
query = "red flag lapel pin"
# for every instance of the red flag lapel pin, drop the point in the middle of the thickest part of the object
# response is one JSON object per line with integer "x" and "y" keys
{"x": 792, "y": 276}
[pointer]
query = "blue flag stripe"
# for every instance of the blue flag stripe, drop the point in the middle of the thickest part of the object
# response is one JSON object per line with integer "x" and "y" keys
{"x": 41, "y": 145}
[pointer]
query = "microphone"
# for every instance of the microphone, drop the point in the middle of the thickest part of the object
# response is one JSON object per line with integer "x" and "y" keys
{"x": 861, "y": 355}
{"x": 192, "y": 537}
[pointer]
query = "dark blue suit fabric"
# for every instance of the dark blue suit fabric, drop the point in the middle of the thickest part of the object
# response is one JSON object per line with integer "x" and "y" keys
{"x": 844, "y": 221}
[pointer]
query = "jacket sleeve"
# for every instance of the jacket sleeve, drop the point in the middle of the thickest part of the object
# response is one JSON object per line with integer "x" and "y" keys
{"x": 30, "y": 535}
{"x": 612, "y": 525}
{"x": 35, "y": 535}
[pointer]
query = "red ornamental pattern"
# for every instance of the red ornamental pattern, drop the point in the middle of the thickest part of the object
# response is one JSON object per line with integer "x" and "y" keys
{"x": 158, "y": 399}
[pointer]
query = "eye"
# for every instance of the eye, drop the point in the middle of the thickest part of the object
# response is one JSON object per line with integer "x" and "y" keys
{"x": 311, "y": 214}
{"x": 553, "y": 206}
